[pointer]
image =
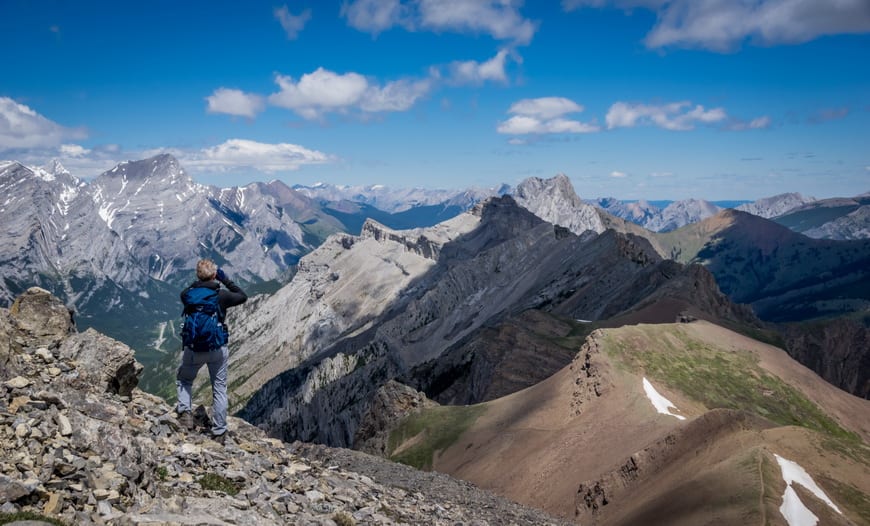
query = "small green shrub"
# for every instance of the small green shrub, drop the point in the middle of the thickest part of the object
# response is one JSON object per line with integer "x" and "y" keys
{"x": 162, "y": 472}
{"x": 213, "y": 481}
{"x": 342, "y": 518}
{"x": 440, "y": 428}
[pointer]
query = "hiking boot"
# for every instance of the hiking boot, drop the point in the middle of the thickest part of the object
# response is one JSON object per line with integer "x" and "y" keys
{"x": 221, "y": 439}
{"x": 201, "y": 418}
{"x": 185, "y": 420}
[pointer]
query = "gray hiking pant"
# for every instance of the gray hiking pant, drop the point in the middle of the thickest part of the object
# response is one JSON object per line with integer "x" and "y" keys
{"x": 217, "y": 371}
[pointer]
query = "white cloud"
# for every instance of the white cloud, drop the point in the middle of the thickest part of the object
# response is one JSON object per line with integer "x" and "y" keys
{"x": 292, "y": 24}
{"x": 757, "y": 123}
{"x": 523, "y": 125}
{"x": 618, "y": 175}
{"x": 398, "y": 95}
{"x": 661, "y": 174}
{"x": 73, "y": 150}
{"x": 22, "y": 128}
{"x": 375, "y": 16}
{"x": 319, "y": 92}
{"x": 671, "y": 116}
{"x": 244, "y": 154}
{"x": 235, "y": 102}
{"x": 722, "y": 25}
{"x": 324, "y": 91}
{"x": 760, "y": 122}
{"x": 570, "y": 5}
{"x": 473, "y": 72}
{"x": 544, "y": 115}
{"x": 545, "y": 107}
{"x": 500, "y": 19}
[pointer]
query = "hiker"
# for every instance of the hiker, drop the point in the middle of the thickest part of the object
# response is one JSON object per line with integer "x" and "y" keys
{"x": 204, "y": 338}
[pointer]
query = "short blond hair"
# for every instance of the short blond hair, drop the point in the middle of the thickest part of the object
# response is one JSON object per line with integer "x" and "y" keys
{"x": 206, "y": 269}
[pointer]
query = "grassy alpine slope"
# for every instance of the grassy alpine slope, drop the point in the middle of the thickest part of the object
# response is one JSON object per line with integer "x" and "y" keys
{"x": 591, "y": 428}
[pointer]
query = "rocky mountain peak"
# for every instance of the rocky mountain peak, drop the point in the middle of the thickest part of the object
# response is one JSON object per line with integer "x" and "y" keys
{"x": 55, "y": 168}
{"x": 80, "y": 444}
{"x": 558, "y": 187}
{"x": 681, "y": 213}
{"x": 776, "y": 205}
{"x": 555, "y": 201}
{"x": 162, "y": 165}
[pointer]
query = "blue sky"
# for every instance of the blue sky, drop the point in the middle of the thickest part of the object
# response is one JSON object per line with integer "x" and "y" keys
{"x": 655, "y": 99}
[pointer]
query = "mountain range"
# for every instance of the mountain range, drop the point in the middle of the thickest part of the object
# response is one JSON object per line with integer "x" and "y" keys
{"x": 523, "y": 339}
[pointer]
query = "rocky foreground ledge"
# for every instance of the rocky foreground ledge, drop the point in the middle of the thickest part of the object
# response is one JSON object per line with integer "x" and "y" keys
{"x": 81, "y": 444}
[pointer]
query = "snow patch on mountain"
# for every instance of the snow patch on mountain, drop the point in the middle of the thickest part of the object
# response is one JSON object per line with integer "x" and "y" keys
{"x": 662, "y": 404}
{"x": 794, "y": 511}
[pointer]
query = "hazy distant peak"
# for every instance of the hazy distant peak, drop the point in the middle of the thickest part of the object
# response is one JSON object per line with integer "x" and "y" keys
{"x": 776, "y": 205}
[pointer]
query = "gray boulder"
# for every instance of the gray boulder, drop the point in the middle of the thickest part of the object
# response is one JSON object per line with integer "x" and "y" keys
{"x": 42, "y": 318}
{"x": 104, "y": 364}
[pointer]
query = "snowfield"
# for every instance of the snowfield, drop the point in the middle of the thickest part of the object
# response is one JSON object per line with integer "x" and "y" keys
{"x": 794, "y": 511}
{"x": 661, "y": 403}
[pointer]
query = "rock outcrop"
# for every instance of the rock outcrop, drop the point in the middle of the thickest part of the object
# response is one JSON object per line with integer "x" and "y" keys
{"x": 837, "y": 350}
{"x": 79, "y": 443}
{"x": 390, "y": 404}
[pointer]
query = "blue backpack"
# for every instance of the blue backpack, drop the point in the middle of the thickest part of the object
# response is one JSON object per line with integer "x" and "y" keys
{"x": 202, "y": 330}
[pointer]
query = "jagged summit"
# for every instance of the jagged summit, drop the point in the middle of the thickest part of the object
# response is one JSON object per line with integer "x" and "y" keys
{"x": 55, "y": 167}
{"x": 554, "y": 200}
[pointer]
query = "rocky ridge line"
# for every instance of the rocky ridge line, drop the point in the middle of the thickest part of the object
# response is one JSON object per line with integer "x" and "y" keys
{"x": 80, "y": 443}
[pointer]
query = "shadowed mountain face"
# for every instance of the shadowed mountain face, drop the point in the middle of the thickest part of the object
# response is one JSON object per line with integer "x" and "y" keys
{"x": 838, "y": 218}
{"x": 503, "y": 263}
{"x": 785, "y": 276}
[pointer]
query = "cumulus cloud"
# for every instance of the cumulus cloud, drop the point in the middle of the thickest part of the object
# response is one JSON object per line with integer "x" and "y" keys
{"x": 544, "y": 115}
{"x": 618, "y": 175}
{"x": 473, "y": 72}
{"x": 323, "y": 91}
{"x": 73, "y": 150}
{"x": 236, "y": 154}
{"x": 545, "y": 107}
{"x": 235, "y": 102}
{"x": 398, "y": 95}
{"x": 500, "y": 19}
{"x": 671, "y": 116}
{"x": 233, "y": 154}
{"x": 375, "y": 16}
{"x": 723, "y": 26}
{"x": 21, "y": 127}
{"x": 291, "y": 23}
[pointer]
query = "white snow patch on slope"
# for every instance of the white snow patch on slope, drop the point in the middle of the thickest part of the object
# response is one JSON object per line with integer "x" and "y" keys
{"x": 661, "y": 403}
{"x": 794, "y": 511}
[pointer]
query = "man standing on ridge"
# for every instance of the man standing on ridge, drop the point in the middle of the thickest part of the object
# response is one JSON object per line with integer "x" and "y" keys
{"x": 204, "y": 336}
